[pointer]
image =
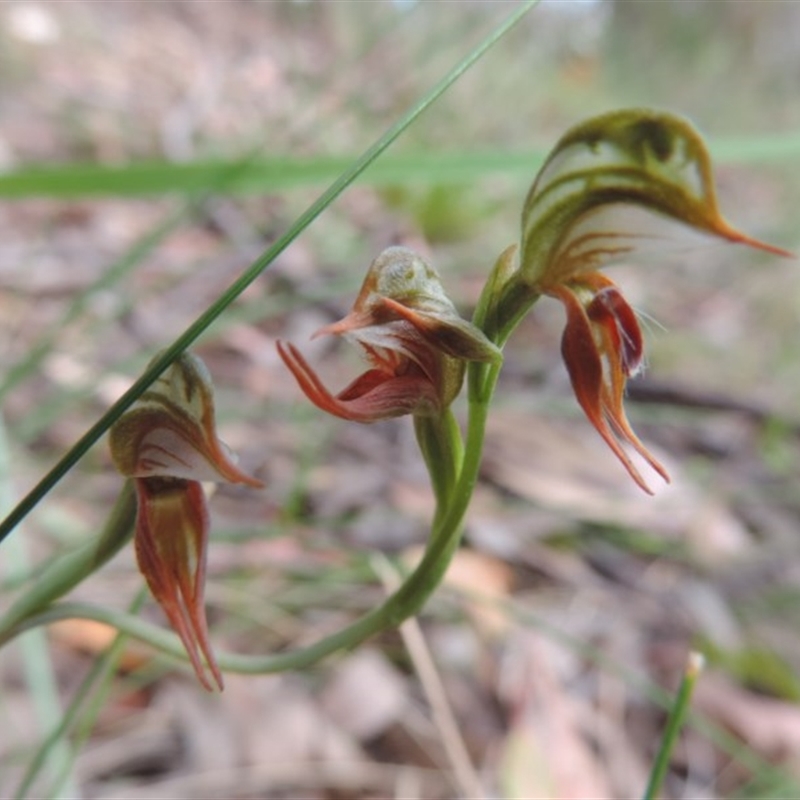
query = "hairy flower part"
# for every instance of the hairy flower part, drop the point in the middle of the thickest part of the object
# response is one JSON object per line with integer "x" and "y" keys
{"x": 576, "y": 220}
{"x": 415, "y": 342}
{"x": 167, "y": 442}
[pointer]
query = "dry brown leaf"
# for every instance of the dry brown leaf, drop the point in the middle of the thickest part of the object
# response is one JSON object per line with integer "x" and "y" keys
{"x": 94, "y": 638}
{"x": 278, "y": 720}
{"x": 416, "y": 499}
{"x": 365, "y": 694}
{"x": 565, "y": 467}
{"x": 546, "y": 752}
{"x": 485, "y": 582}
{"x": 769, "y": 726}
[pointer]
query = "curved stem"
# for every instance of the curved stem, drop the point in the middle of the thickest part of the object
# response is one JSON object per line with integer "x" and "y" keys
{"x": 69, "y": 570}
{"x": 439, "y": 440}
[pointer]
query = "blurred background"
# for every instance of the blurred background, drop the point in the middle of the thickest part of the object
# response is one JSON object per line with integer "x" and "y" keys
{"x": 150, "y": 151}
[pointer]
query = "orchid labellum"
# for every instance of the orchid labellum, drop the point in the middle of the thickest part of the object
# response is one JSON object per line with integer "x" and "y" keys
{"x": 574, "y": 223}
{"x": 413, "y": 338}
{"x": 167, "y": 442}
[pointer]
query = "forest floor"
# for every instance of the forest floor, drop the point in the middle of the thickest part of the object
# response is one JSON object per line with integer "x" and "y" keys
{"x": 576, "y": 598}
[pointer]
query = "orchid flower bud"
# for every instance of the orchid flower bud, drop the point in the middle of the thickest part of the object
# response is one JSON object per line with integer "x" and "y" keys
{"x": 574, "y": 223}
{"x": 167, "y": 442}
{"x": 415, "y": 341}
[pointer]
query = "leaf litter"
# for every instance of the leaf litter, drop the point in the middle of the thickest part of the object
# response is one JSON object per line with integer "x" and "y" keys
{"x": 556, "y": 532}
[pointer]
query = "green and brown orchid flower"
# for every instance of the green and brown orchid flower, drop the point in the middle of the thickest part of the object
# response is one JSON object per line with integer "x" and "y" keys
{"x": 167, "y": 442}
{"x": 413, "y": 338}
{"x": 576, "y": 220}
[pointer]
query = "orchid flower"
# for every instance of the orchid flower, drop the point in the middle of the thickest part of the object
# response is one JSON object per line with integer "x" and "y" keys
{"x": 571, "y": 228}
{"x": 413, "y": 338}
{"x": 167, "y": 442}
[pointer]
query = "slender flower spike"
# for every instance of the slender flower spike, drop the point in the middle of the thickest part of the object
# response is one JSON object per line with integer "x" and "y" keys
{"x": 576, "y": 220}
{"x": 415, "y": 341}
{"x": 167, "y": 442}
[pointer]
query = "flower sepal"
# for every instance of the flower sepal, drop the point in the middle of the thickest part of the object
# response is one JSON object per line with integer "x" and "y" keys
{"x": 168, "y": 444}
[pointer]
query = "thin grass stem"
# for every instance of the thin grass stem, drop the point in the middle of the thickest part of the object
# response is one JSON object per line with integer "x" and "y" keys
{"x": 99, "y": 676}
{"x": 35, "y": 653}
{"x": 677, "y": 714}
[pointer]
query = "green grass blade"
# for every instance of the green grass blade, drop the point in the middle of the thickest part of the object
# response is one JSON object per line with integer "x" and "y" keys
{"x": 677, "y": 714}
{"x": 204, "y": 321}
{"x": 263, "y": 176}
{"x": 279, "y": 174}
{"x": 97, "y": 682}
{"x": 35, "y": 652}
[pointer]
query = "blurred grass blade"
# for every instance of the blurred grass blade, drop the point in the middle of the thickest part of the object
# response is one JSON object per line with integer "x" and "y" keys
{"x": 43, "y": 346}
{"x": 36, "y": 662}
{"x": 677, "y": 714}
{"x": 763, "y": 148}
{"x": 264, "y": 175}
{"x": 204, "y": 321}
{"x": 97, "y": 681}
{"x": 738, "y": 751}
{"x": 282, "y": 173}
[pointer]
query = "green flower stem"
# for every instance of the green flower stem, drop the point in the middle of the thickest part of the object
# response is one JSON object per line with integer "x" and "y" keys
{"x": 69, "y": 570}
{"x": 515, "y": 303}
{"x": 204, "y": 321}
{"x": 440, "y": 443}
{"x": 694, "y": 667}
{"x": 506, "y": 298}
